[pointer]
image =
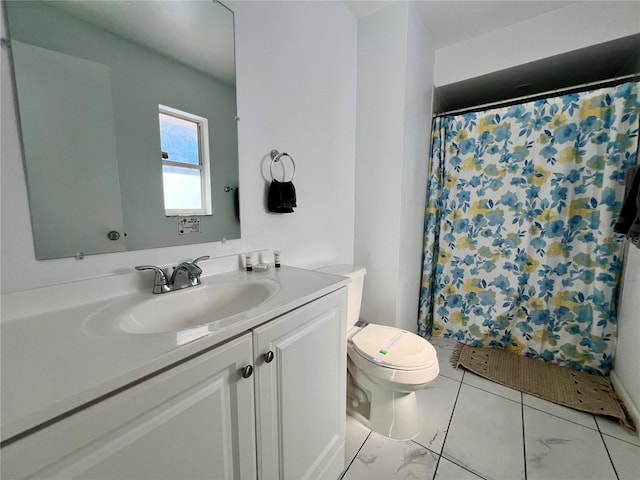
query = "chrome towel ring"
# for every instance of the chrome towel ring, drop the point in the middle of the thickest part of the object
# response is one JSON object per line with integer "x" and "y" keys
{"x": 275, "y": 157}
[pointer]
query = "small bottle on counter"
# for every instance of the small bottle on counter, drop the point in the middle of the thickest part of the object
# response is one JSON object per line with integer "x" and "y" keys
{"x": 248, "y": 263}
{"x": 276, "y": 258}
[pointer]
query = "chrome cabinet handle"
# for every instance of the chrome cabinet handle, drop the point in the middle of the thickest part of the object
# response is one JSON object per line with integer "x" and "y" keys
{"x": 247, "y": 371}
{"x": 268, "y": 357}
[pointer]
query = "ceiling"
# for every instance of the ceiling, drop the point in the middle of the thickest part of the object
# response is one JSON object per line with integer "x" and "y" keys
{"x": 198, "y": 33}
{"x": 448, "y": 22}
{"x": 454, "y": 21}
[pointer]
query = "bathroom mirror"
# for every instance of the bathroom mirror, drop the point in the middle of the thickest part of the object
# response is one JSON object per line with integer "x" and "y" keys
{"x": 93, "y": 82}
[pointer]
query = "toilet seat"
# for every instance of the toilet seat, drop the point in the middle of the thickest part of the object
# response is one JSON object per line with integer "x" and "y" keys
{"x": 393, "y": 348}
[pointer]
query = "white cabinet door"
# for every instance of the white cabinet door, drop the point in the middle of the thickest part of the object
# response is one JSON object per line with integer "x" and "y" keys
{"x": 300, "y": 393}
{"x": 195, "y": 420}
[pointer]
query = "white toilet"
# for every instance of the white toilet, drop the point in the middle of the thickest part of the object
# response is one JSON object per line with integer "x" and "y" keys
{"x": 385, "y": 367}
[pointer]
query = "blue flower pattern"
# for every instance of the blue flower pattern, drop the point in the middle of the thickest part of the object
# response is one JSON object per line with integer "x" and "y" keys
{"x": 520, "y": 252}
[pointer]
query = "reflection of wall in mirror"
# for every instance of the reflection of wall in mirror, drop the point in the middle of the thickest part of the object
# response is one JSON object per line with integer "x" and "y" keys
{"x": 140, "y": 81}
{"x": 76, "y": 97}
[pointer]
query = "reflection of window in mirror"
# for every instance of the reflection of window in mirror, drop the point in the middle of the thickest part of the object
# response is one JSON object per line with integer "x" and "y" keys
{"x": 185, "y": 162}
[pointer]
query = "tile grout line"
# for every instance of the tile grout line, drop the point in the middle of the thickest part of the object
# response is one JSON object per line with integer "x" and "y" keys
{"x": 606, "y": 449}
{"x": 565, "y": 419}
{"x": 355, "y": 456}
{"x": 605, "y": 434}
{"x": 595, "y": 429}
{"x": 524, "y": 442}
{"x": 611, "y": 435}
{"x": 496, "y": 394}
{"x": 464, "y": 467}
{"x": 444, "y": 440}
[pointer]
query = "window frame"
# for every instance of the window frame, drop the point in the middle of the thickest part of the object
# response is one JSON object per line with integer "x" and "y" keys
{"x": 203, "y": 166}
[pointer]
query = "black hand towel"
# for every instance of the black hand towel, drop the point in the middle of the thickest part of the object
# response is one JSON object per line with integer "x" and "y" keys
{"x": 282, "y": 197}
{"x": 236, "y": 202}
{"x": 629, "y": 219}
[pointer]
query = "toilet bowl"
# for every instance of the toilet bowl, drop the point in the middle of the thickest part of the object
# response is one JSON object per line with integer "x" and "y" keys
{"x": 385, "y": 368}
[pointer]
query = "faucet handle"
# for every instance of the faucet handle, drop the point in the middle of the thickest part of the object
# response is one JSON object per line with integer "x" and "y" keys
{"x": 160, "y": 284}
{"x": 204, "y": 257}
{"x": 150, "y": 267}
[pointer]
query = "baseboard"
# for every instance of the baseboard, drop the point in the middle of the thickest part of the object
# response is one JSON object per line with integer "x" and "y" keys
{"x": 630, "y": 405}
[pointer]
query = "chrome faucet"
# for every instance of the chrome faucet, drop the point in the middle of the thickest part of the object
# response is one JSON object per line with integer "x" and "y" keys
{"x": 185, "y": 274}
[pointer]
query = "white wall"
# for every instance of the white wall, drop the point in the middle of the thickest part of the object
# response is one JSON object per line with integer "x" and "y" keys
{"x": 625, "y": 370}
{"x": 417, "y": 136}
{"x": 296, "y": 79}
{"x": 578, "y": 25}
{"x": 395, "y": 78}
{"x": 380, "y": 107}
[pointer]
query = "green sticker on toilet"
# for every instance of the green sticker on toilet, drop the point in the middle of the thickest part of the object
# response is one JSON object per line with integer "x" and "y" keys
{"x": 383, "y": 351}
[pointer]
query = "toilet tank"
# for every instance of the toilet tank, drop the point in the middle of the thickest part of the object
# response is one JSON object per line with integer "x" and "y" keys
{"x": 354, "y": 289}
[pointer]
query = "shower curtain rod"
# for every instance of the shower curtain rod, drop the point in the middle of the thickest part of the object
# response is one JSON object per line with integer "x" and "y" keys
{"x": 517, "y": 100}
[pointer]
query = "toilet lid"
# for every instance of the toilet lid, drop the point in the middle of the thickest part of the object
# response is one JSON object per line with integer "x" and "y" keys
{"x": 393, "y": 347}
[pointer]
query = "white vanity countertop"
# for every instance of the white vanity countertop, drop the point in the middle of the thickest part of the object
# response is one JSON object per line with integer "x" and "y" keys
{"x": 55, "y": 361}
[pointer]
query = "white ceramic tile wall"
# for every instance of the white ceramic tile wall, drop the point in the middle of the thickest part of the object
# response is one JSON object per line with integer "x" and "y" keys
{"x": 474, "y": 429}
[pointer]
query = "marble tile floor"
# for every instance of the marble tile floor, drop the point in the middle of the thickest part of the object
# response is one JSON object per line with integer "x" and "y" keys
{"x": 476, "y": 429}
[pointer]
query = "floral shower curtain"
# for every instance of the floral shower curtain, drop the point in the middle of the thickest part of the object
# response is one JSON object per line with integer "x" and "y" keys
{"x": 520, "y": 252}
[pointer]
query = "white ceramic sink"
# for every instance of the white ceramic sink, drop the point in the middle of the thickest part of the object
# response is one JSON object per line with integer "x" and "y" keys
{"x": 196, "y": 306}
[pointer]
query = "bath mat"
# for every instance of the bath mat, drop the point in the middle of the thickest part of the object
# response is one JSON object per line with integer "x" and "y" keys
{"x": 579, "y": 390}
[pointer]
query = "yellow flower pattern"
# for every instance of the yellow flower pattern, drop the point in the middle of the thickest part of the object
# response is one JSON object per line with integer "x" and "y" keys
{"x": 520, "y": 252}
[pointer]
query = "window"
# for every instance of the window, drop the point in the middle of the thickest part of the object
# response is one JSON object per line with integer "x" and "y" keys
{"x": 186, "y": 179}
